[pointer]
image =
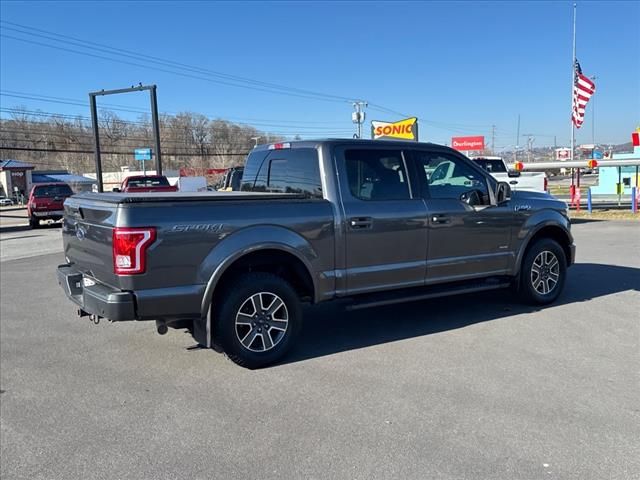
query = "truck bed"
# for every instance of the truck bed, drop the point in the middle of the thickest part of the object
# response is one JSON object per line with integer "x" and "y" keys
{"x": 121, "y": 197}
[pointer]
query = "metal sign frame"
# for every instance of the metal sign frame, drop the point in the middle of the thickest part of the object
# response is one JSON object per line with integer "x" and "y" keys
{"x": 153, "y": 97}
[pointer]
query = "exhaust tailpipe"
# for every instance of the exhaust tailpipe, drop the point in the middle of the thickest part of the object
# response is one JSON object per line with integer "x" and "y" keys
{"x": 161, "y": 327}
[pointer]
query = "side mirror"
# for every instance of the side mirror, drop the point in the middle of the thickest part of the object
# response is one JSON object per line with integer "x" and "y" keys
{"x": 116, "y": 190}
{"x": 513, "y": 173}
{"x": 503, "y": 193}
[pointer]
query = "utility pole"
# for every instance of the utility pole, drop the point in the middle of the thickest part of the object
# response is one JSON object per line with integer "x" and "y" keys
{"x": 358, "y": 116}
{"x": 493, "y": 139}
{"x": 530, "y": 140}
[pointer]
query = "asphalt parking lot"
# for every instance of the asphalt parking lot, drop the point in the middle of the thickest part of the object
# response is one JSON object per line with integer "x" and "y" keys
{"x": 473, "y": 387}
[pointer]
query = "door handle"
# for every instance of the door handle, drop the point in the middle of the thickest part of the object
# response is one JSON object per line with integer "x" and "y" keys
{"x": 358, "y": 223}
{"x": 440, "y": 219}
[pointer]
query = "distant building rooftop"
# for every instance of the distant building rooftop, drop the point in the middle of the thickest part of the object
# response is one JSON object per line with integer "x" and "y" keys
{"x": 15, "y": 165}
{"x": 42, "y": 177}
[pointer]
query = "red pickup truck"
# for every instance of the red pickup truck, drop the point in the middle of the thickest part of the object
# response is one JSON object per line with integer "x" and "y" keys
{"x": 46, "y": 202}
{"x": 146, "y": 183}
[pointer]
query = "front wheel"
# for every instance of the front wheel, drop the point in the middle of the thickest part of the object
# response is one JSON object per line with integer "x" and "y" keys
{"x": 543, "y": 272}
{"x": 257, "y": 320}
{"x": 34, "y": 222}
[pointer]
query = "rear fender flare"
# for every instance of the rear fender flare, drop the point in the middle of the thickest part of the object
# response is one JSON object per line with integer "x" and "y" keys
{"x": 246, "y": 241}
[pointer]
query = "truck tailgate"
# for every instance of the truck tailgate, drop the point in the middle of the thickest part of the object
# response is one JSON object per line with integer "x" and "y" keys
{"x": 87, "y": 236}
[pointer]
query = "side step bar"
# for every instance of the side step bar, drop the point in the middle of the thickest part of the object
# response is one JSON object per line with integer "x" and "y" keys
{"x": 426, "y": 293}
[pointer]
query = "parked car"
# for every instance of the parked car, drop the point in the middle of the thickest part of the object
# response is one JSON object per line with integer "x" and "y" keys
{"x": 146, "y": 183}
{"x": 497, "y": 167}
{"x": 46, "y": 202}
{"x": 315, "y": 221}
{"x": 5, "y": 201}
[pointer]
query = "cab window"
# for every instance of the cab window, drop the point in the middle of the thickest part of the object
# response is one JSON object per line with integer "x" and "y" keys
{"x": 447, "y": 176}
{"x": 377, "y": 174}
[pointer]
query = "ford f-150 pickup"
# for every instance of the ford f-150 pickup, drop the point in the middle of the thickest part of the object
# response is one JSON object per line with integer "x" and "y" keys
{"x": 367, "y": 221}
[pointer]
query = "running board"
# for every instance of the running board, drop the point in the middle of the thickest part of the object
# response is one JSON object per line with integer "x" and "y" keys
{"x": 389, "y": 298}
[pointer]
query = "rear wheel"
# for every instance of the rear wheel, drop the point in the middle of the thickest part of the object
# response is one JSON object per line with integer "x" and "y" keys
{"x": 543, "y": 272}
{"x": 257, "y": 319}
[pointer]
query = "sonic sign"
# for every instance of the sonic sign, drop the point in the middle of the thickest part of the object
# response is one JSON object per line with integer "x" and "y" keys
{"x": 406, "y": 129}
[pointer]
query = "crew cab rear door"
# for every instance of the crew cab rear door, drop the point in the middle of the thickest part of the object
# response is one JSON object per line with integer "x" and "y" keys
{"x": 384, "y": 219}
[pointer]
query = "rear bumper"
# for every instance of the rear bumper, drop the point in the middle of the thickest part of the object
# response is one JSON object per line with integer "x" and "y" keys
{"x": 96, "y": 299}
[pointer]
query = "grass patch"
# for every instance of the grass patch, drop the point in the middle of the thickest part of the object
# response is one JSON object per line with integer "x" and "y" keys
{"x": 605, "y": 215}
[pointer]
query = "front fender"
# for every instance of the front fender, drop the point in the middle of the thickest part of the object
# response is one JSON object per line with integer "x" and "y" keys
{"x": 539, "y": 220}
{"x": 248, "y": 240}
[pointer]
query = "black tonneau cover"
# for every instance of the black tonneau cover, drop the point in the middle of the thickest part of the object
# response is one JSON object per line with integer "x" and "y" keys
{"x": 145, "y": 197}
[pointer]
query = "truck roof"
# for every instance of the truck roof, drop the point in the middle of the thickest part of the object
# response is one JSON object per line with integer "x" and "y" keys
{"x": 350, "y": 141}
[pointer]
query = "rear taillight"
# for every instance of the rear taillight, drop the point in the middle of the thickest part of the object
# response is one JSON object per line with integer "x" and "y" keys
{"x": 546, "y": 184}
{"x": 130, "y": 249}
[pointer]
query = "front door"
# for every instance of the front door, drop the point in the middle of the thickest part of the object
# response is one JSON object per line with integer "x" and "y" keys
{"x": 385, "y": 220}
{"x": 468, "y": 236}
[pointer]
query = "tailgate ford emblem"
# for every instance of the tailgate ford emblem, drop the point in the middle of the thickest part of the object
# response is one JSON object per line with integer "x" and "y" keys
{"x": 80, "y": 233}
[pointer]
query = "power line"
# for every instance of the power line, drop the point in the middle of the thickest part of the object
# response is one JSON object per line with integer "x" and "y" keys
{"x": 294, "y": 130}
{"x": 116, "y": 107}
{"x": 157, "y": 60}
{"x": 174, "y": 154}
{"x": 165, "y": 70}
{"x": 227, "y": 78}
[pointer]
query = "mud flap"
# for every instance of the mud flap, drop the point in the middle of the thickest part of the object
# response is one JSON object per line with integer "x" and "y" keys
{"x": 200, "y": 332}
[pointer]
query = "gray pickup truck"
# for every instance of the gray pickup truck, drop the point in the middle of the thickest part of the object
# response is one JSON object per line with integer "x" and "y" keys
{"x": 376, "y": 222}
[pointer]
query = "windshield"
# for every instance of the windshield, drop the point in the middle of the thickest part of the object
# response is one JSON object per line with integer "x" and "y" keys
{"x": 52, "y": 191}
{"x": 148, "y": 182}
{"x": 491, "y": 165}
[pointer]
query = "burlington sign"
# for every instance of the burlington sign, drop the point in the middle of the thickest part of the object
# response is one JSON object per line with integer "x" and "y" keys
{"x": 406, "y": 129}
{"x": 468, "y": 143}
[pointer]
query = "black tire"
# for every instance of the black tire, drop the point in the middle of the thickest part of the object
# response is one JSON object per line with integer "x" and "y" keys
{"x": 543, "y": 272}
{"x": 34, "y": 223}
{"x": 236, "y": 320}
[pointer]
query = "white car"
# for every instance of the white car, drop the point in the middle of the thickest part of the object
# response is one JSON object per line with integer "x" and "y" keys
{"x": 4, "y": 201}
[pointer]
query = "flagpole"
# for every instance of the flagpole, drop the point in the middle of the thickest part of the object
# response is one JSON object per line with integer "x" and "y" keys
{"x": 573, "y": 79}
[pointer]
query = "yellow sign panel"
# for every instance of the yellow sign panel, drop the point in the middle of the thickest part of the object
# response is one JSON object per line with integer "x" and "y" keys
{"x": 406, "y": 129}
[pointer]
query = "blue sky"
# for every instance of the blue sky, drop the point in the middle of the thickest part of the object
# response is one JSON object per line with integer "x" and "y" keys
{"x": 460, "y": 67}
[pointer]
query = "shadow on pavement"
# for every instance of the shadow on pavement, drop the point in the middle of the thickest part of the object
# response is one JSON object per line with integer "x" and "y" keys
{"x": 21, "y": 228}
{"x": 330, "y": 329}
{"x": 576, "y": 221}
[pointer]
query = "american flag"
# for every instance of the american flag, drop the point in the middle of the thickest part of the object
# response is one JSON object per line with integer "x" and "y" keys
{"x": 583, "y": 88}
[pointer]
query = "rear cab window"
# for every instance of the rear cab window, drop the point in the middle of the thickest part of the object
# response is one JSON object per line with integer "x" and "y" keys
{"x": 148, "y": 182}
{"x": 45, "y": 191}
{"x": 294, "y": 170}
{"x": 490, "y": 165}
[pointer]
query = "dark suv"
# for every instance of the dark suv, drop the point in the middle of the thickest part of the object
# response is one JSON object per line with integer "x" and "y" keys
{"x": 46, "y": 202}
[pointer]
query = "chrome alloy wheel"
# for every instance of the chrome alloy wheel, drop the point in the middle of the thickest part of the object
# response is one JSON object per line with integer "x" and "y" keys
{"x": 545, "y": 272}
{"x": 262, "y": 322}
